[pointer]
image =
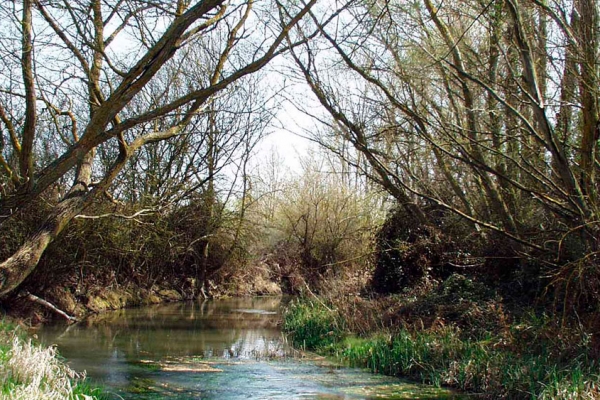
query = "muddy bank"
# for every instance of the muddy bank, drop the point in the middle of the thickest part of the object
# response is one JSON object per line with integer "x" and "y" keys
{"x": 34, "y": 306}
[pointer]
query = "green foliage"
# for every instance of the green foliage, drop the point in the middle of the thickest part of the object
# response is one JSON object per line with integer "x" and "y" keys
{"x": 492, "y": 365}
{"x": 459, "y": 287}
{"x": 408, "y": 252}
{"x": 311, "y": 325}
{"x": 84, "y": 388}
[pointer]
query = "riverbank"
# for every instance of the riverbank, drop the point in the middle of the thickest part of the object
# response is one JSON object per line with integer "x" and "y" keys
{"x": 37, "y": 304}
{"x": 449, "y": 338}
{"x": 30, "y": 371}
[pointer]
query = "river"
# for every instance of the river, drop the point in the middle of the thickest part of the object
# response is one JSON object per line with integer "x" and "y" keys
{"x": 217, "y": 349}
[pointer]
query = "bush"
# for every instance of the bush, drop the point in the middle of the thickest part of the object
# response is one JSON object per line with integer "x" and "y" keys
{"x": 408, "y": 252}
{"x": 170, "y": 248}
{"x": 315, "y": 227}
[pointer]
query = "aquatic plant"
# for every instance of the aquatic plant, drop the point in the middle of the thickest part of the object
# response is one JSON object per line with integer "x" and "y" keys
{"x": 492, "y": 365}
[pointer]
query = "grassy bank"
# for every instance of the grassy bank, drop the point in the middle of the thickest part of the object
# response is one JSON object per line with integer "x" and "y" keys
{"x": 30, "y": 371}
{"x": 520, "y": 362}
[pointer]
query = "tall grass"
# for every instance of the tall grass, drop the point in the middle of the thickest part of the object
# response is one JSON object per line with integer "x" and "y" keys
{"x": 312, "y": 325}
{"x": 29, "y": 371}
{"x": 441, "y": 356}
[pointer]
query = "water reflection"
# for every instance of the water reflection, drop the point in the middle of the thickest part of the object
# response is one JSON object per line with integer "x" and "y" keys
{"x": 213, "y": 349}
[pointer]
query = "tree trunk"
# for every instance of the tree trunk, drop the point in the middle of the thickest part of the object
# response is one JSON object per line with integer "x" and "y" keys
{"x": 588, "y": 32}
{"x": 14, "y": 270}
{"x": 18, "y": 267}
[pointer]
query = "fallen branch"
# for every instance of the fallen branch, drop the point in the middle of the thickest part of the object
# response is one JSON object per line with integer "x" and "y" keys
{"x": 49, "y": 305}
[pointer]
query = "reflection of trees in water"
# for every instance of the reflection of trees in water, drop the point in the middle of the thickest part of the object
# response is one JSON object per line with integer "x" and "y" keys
{"x": 110, "y": 346}
{"x": 207, "y": 329}
{"x": 256, "y": 345}
{"x": 212, "y": 313}
{"x": 128, "y": 354}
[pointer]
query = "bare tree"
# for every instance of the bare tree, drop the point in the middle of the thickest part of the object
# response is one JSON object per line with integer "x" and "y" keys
{"x": 485, "y": 109}
{"x": 83, "y": 67}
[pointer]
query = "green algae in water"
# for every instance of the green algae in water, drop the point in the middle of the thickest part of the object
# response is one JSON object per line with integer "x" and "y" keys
{"x": 401, "y": 392}
{"x": 146, "y": 365}
{"x": 140, "y": 386}
{"x": 125, "y": 354}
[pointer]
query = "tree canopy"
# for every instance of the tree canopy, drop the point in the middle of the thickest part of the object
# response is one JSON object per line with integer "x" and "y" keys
{"x": 482, "y": 112}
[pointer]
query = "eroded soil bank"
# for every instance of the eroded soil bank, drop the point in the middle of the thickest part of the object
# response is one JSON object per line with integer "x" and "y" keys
{"x": 38, "y": 303}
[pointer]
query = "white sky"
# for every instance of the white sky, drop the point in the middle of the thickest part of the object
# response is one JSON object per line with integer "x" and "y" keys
{"x": 290, "y": 125}
{"x": 287, "y": 140}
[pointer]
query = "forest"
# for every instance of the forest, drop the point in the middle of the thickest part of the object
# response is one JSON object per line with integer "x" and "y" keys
{"x": 453, "y": 198}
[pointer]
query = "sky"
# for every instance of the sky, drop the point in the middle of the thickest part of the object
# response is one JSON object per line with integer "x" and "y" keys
{"x": 286, "y": 135}
{"x": 286, "y": 138}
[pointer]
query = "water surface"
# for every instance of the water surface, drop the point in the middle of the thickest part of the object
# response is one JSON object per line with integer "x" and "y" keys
{"x": 221, "y": 349}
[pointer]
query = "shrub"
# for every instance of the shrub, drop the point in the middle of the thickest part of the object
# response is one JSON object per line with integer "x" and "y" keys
{"x": 408, "y": 252}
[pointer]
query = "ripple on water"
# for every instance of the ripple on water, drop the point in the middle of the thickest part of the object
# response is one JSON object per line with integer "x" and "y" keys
{"x": 222, "y": 349}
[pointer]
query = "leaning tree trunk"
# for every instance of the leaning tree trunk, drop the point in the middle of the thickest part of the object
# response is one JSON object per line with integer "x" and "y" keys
{"x": 18, "y": 267}
{"x": 14, "y": 270}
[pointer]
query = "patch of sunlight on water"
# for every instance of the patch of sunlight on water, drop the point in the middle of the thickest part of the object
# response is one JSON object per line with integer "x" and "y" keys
{"x": 218, "y": 349}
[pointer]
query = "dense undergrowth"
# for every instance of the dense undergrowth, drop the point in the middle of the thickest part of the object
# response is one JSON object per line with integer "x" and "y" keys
{"x": 492, "y": 353}
{"x": 29, "y": 371}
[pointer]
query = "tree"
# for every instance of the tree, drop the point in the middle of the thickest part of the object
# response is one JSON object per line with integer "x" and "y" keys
{"x": 485, "y": 109}
{"x": 316, "y": 223}
{"x": 83, "y": 70}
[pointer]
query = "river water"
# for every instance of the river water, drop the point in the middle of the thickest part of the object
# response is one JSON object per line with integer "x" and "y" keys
{"x": 218, "y": 349}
